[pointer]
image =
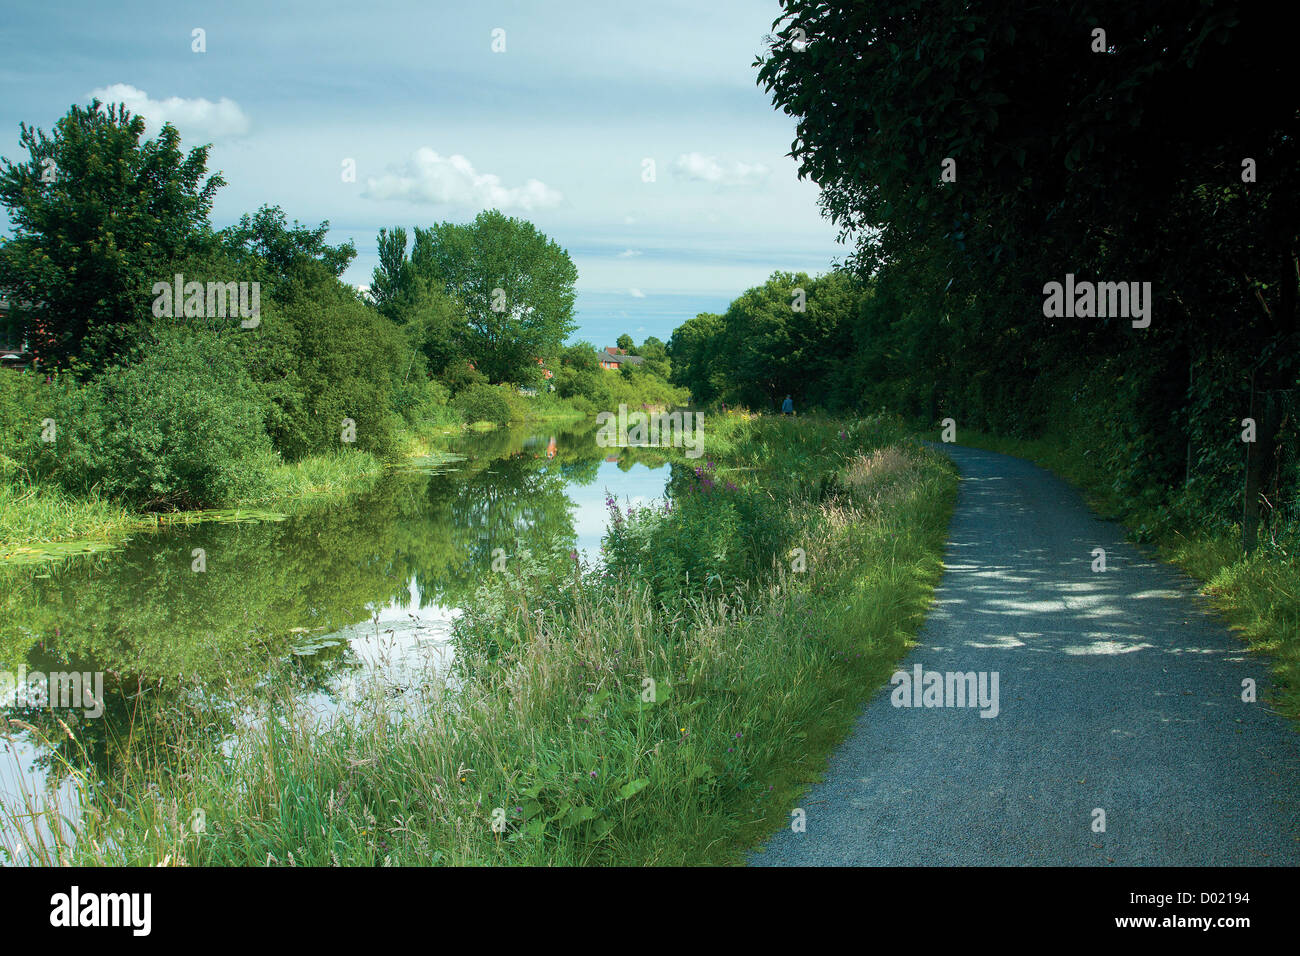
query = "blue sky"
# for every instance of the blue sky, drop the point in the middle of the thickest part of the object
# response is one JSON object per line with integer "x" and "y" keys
{"x": 555, "y": 129}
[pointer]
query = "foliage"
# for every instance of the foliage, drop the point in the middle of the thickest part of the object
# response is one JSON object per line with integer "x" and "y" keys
{"x": 284, "y": 258}
{"x": 696, "y": 350}
{"x": 1162, "y": 121}
{"x": 182, "y": 427}
{"x": 485, "y": 403}
{"x": 98, "y": 216}
{"x": 322, "y": 358}
{"x": 507, "y": 286}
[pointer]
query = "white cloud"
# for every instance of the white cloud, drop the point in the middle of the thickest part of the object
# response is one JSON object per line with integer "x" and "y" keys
{"x": 708, "y": 169}
{"x": 629, "y": 253}
{"x": 636, "y": 293}
{"x": 196, "y": 118}
{"x": 430, "y": 178}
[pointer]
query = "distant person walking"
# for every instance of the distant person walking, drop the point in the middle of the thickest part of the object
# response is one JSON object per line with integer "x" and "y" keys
{"x": 787, "y": 407}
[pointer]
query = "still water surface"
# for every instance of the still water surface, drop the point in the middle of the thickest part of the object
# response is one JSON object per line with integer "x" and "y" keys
{"x": 340, "y": 593}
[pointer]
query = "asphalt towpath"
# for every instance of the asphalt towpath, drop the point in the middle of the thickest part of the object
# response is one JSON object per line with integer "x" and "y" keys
{"x": 1117, "y": 691}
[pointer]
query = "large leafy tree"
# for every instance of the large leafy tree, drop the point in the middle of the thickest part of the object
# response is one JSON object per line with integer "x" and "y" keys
{"x": 1066, "y": 159}
{"x": 784, "y": 336}
{"x": 1112, "y": 155}
{"x": 415, "y": 299}
{"x": 289, "y": 257}
{"x": 99, "y": 215}
{"x": 514, "y": 283}
{"x": 696, "y": 351}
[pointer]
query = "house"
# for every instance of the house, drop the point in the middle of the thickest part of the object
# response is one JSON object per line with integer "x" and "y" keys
{"x": 614, "y": 357}
{"x": 13, "y": 346}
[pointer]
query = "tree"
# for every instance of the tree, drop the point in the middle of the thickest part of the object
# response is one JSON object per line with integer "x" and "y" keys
{"x": 414, "y": 297}
{"x": 515, "y": 285}
{"x": 695, "y": 349}
{"x": 781, "y": 336}
{"x": 625, "y": 342}
{"x": 655, "y": 354}
{"x": 99, "y": 216}
{"x": 1131, "y": 151}
{"x": 286, "y": 257}
{"x": 394, "y": 273}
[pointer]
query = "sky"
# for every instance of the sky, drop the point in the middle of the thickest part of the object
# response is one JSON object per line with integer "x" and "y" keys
{"x": 559, "y": 124}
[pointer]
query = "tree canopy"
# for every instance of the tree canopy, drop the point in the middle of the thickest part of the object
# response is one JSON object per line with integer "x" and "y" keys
{"x": 99, "y": 215}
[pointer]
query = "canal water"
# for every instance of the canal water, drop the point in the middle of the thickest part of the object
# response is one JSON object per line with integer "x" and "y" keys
{"x": 317, "y": 603}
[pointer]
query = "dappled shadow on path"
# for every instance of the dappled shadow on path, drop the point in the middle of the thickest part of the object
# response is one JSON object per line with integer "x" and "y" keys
{"x": 1117, "y": 692}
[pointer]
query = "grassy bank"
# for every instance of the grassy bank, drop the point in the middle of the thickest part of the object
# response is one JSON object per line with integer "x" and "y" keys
{"x": 40, "y": 522}
{"x": 1258, "y": 595}
{"x": 668, "y": 709}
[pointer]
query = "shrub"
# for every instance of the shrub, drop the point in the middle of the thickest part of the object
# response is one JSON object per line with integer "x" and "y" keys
{"x": 321, "y": 358}
{"x": 181, "y": 427}
{"x": 25, "y": 400}
{"x": 460, "y": 375}
{"x": 420, "y": 400}
{"x": 485, "y": 403}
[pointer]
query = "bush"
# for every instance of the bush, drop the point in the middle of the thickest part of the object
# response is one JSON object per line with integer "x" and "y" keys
{"x": 485, "y": 403}
{"x": 181, "y": 427}
{"x": 324, "y": 357}
{"x": 25, "y": 400}
{"x": 460, "y": 375}
{"x": 420, "y": 400}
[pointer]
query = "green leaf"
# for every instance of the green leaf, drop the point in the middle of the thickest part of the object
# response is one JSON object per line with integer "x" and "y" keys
{"x": 635, "y": 787}
{"x": 581, "y": 815}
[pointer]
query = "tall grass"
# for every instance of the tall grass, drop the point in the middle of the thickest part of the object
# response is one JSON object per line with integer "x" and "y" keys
{"x": 619, "y": 728}
{"x": 34, "y": 514}
{"x": 320, "y": 476}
